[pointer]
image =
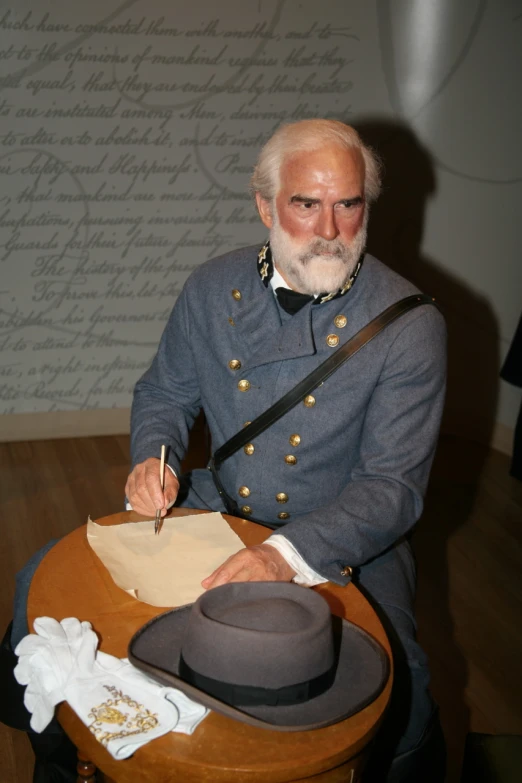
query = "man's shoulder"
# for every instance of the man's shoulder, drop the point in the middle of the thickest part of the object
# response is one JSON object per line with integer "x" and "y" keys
{"x": 234, "y": 264}
{"x": 383, "y": 287}
{"x": 384, "y": 280}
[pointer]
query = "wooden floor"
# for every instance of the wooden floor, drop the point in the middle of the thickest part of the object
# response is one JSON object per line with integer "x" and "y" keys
{"x": 468, "y": 544}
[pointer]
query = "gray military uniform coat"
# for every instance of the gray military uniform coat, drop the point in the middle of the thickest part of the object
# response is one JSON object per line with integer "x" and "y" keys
{"x": 343, "y": 473}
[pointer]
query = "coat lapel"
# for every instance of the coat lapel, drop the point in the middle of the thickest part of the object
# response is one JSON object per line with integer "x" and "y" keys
{"x": 268, "y": 340}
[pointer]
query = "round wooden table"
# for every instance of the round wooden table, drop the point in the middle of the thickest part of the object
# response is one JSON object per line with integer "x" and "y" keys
{"x": 71, "y": 581}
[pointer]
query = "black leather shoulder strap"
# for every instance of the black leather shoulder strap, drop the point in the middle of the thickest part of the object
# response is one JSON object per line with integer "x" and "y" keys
{"x": 318, "y": 376}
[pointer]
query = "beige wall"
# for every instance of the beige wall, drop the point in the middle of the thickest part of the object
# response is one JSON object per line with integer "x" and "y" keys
{"x": 127, "y": 132}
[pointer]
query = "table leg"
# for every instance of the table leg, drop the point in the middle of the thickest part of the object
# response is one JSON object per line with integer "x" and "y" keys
{"x": 86, "y": 770}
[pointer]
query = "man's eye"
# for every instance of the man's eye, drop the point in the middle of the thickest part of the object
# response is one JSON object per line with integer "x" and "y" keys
{"x": 350, "y": 203}
{"x": 307, "y": 204}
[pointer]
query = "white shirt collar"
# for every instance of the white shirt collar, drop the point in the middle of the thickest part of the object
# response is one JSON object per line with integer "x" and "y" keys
{"x": 278, "y": 280}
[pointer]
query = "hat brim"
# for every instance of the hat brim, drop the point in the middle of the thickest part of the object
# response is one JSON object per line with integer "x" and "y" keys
{"x": 361, "y": 674}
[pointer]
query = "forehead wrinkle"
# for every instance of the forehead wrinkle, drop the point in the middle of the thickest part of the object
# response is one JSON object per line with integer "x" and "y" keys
{"x": 317, "y": 172}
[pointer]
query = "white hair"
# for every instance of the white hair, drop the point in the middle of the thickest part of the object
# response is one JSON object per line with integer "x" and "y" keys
{"x": 308, "y": 135}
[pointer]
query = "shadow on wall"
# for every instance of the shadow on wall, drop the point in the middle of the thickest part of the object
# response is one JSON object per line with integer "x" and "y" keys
{"x": 395, "y": 237}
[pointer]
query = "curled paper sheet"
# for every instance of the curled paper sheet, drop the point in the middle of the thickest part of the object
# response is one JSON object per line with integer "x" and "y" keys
{"x": 165, "y": 569}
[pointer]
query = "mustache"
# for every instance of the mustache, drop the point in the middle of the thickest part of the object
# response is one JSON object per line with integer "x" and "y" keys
{"x": 323, "y": 248}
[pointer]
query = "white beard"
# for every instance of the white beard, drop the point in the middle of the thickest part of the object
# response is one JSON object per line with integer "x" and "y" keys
{"x": 319, "y": 266}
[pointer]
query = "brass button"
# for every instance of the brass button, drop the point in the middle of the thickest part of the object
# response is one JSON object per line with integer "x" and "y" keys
{"x": 282, "y": 497}
{"x": 332, "y": 340}
{"x": 246, "y": 509}
{"x": 347, "y": 571}
{"x": 247, "y": 423}
{"x": 295, "y": 440}
{"x": 249, "y": 448}
{"x": 243, "y": 385}
{"x": 236, "y": 294}
{"x": 234, "y": 364}
{"x": 309, "y": 401}
{"x": 231, "y": 322}
{"x": 290, "y": 459}
{"x": 283, "y": 515}
{"x": 243, "y": 492}
{"x": 340, "y": 321}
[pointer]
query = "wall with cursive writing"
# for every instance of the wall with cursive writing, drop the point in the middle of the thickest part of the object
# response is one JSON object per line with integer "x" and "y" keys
{"x": 127, "y": 134}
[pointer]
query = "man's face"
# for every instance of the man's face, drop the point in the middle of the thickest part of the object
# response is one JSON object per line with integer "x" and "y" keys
{"x": 317, "y": 220}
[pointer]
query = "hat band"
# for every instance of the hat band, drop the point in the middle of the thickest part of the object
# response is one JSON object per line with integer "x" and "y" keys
{"x": 251, "y": 695}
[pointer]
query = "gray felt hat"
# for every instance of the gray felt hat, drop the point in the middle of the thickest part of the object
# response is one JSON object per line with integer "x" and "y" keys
{"x": 265, "y": 653}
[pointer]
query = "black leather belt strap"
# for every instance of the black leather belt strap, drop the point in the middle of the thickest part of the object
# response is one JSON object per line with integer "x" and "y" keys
{"x": 304, "y": 387}
{"x": 318, "y": 376}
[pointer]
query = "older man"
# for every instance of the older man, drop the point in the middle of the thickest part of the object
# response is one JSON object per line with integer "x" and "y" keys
{"x": 341, "y": 476}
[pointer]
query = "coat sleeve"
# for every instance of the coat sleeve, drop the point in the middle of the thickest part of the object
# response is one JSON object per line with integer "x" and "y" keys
{"x": 167, "y": 397}
{"x": 384, "y": 495}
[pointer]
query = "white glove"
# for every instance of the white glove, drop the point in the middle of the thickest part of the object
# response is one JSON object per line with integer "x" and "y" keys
{"x": 120, "y": 705}
{"x": 46, "y": 660}
{"x": 122, "y": 709}
{"x": 190, "y": 712}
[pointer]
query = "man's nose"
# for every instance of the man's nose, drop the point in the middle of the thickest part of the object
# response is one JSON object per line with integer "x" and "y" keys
{"x": 326, "y": 226}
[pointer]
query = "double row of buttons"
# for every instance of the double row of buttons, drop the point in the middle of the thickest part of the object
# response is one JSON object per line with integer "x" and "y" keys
{"x": 281, "y": 497}
{"x": 309, "y": 401}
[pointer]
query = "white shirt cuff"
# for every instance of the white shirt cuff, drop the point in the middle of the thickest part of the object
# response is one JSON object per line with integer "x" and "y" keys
{"x": 304, "y": 574}
{"x": 171, "y": 470}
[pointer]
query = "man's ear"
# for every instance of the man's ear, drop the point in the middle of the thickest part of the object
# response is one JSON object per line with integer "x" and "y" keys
{"x": 264, "y": 207}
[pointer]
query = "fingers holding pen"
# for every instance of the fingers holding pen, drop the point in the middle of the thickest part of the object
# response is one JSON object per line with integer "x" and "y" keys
{"x": 143, "y": 488}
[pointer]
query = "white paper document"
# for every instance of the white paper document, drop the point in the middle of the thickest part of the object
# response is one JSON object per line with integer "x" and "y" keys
{"x": 165, "y": 569}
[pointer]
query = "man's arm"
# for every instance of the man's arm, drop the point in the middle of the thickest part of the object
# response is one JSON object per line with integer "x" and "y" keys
{"x": 384, "y": 497}
{"x": 165, "y": 404}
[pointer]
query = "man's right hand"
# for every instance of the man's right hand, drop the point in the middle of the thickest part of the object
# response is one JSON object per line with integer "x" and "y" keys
{"x": 143, "y": 488}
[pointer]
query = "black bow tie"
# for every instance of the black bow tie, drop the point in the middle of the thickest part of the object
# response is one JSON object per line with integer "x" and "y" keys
{"x": 292, "y": 301}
